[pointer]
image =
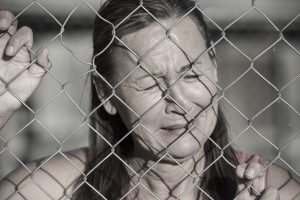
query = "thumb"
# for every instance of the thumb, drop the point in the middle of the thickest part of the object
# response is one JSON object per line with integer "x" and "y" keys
{"x": 271, "y": 194}
{"x": 42, "y": 63}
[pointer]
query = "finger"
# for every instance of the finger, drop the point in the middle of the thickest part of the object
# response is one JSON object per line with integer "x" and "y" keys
{"x": 13, "y": 27}
{"x": 6, "y": 19}
{"x": 42, "y": 63}
{"x": 253, "y": 170}
{"x": 259, "y": 183}
{"x": 244, "y": 195}
{"x": 23, "y": 37}
{"x": 240, "y": 170}
{"x": 271, "y": 194}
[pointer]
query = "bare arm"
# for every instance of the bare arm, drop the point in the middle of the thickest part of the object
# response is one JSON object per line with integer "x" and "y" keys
{"x": 18, "y": 76}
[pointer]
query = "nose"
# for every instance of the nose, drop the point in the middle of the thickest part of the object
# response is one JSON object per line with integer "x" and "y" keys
{"x": 177, "y": 100}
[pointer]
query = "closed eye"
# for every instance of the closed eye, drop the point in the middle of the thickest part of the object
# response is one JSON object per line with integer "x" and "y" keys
{"x": 151, "y": 87}
{"x": 195, "y": 76}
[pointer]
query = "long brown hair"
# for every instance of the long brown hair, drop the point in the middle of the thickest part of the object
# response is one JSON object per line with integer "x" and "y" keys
{"x": 109, "y": 176}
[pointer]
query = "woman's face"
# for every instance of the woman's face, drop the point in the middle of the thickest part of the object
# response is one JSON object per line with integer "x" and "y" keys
{"x": 170, "y": 117}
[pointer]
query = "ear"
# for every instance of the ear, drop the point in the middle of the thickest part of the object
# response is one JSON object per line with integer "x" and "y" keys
{"x": 107, "y": 104}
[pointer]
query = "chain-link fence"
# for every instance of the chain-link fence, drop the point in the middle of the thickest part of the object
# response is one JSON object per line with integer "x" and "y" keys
{"x": 258, "y": 74}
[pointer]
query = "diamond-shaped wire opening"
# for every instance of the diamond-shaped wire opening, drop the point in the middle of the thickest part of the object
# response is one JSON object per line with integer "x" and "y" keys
{"x": 7, "y": 5}
{"x": 44, "y": 16}
{"x": 229, "y": 70}
{"x": 273, "y": 11}
{"x": 276, "y": 120}
{"x": 20, "y": 119}
{"x": 62, "y": 11}
{"x": 8, "y": 162}
{"x": 278, "y": 65}
{"x": 259, "y": 143}
{"x": 256, "y": 88}
{"x": 255, "y": 34}
{"x": 218, "y": 11}
{"x": 40, "y": 98}
{"x": 236, "y": 121}
{"x": 73, "y": 116}
{"x": 43, "y": 140}
{"x": 74, "y": 21}
{"x": 76, "y": 138}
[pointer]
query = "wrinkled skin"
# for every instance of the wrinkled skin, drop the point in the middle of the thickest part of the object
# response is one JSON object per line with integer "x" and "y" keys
{"x": 193, "y": 93}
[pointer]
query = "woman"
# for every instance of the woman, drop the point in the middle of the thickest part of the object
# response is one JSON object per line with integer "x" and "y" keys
{"x": 157, "y": 130}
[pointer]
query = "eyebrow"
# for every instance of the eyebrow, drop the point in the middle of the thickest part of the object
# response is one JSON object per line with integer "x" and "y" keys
{"x": 182, "y": 69}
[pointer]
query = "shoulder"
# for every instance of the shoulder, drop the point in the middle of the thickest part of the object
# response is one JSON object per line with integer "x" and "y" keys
{"x": 282, "y": 179}
{"x": 52, "y": 177}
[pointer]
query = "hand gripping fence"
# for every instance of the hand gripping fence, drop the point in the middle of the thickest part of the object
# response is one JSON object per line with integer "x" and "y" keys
{"x": 140, "y": 64}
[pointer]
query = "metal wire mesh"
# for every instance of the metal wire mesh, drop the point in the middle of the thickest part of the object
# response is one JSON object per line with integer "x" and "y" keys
{"x": 31, "y": 172}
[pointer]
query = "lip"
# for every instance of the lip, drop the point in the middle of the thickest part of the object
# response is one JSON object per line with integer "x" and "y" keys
{"x": 174, "y": 131}
{"x": 175, "y": 128}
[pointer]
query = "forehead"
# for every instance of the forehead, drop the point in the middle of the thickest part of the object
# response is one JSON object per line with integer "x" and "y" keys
{"x": 186, "y": 34}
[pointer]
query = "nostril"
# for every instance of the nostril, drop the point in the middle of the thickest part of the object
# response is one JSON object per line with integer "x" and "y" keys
{"x": 173, "y": 107}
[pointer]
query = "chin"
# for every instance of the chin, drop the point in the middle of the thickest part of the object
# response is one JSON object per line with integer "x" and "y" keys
{"x": 186, "y": 148}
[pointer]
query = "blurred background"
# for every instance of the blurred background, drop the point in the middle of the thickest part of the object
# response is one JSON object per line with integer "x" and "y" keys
{"x": 255, "y": 68}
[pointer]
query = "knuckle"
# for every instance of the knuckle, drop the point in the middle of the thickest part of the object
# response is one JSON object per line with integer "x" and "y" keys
{"x": 242, "y": 166}
{"x": 255, "y": 165}
{"x": 238, "y": 168}
{"x": 15, "y": 41}
{"x": 6, "y": 13}
{"x": 6, "y": 18}
{"x": 273, "y": 192}
{"x": 26, "y": 30}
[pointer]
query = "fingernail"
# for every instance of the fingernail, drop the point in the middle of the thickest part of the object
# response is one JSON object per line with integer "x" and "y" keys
{"x": 250, "y": 173}
{"x": 9, "y": 50}
{"x": 3, "y": 23}
{"x": 11, "y": 30}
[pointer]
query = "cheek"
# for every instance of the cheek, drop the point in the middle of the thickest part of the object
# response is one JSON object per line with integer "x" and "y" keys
{"x": 136, "y": 104}
{"x": 142, "y": 101}
{"x": 211, "y": 121}
{"x": 201, "y": 93}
